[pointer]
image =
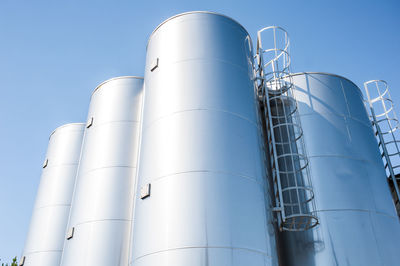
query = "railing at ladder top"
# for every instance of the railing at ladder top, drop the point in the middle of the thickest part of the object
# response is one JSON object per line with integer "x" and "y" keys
{"x": 387, "y": 130}
{"x": 293, "y": 193}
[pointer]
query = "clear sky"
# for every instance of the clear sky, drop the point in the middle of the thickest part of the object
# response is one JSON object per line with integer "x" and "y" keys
{"x": 54, "y": 53}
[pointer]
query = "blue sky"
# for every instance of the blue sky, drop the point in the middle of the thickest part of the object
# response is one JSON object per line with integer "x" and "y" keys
{"x": 54, "y": 53}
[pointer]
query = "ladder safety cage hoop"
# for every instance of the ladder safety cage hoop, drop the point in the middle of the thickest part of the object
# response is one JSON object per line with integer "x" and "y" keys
{"x": 386, "y": 125}
{"x": 293, "y": 191}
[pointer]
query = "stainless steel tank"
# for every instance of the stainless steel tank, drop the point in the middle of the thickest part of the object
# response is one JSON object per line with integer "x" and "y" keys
{"x": 358, "y": 221}
{"x": 100, "y": 221}
{"x": 203, "y": 194}
{"x": 45, "y": 238}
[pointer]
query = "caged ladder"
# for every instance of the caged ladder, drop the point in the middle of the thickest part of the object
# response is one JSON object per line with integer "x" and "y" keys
{"x": 283, "y": 135}
{"x": 386, "y": 126}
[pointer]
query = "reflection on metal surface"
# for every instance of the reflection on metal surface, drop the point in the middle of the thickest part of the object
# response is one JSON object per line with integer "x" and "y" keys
{"x": 215, "y": 160}
{"x": 387, "y": 127}
{"x": 355, "y": 211}
{"x": 47, "y": 230}
{"x": 104, "y": 191}
{"x": 200, "y": 150}
{"x": 283, "y": 133}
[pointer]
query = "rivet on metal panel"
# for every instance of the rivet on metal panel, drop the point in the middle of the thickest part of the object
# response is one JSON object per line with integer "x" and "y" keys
{"x": 22, "y": 261}
{"x": 89, "y": 122}
{"x": 154, "y": 65}
{"x": 45, "y": 163}
{"x": 70, "y": 233}
{"x": 145, "y": 191}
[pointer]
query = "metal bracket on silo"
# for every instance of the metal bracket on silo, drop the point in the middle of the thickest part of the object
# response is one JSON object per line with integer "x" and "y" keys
{"x": 154, "y": 65}
{"x": 145, "y": 191}
{"x": 22, "y": 261}
{"x": 89, "y": 122}
{"x": 70, "y": 233}
{"x": 45, "y": 163}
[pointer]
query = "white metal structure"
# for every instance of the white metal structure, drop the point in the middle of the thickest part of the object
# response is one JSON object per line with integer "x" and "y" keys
{"x": 284, "y": 136}
{"x": 46, "y": 234}
{"x": 208, "y": 202}
{"x": 214, "y": 159}
{"x": 387, "y": 127}
{"x": 100, "y": 220}
{"x": 358, "y": 224}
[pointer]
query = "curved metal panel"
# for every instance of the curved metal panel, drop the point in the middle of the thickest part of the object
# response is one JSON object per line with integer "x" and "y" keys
{"x": 352, "y": 197}
{"x": 201, "y": 150}
{"x": 46, "y": 234}
{"x": 104, "y": 191}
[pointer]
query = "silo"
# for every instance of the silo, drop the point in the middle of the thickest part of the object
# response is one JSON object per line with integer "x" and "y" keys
{"x": 358, "y": 221}
{"x": 100, "y": 220}
{"x": 203, "y": 198}
{"x": 45, "y": 238}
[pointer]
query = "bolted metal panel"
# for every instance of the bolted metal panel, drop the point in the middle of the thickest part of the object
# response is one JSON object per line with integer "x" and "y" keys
{"x": 47, "y": 230}
{"x": 352, "y": 198}
{"x": 104, "y": 191}
{"x": 201, "y": 150}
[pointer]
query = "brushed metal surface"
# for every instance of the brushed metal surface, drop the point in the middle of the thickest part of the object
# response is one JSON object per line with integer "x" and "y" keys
{"x": 103, "y": 197}
{"x": 201, "y": 150}
{"x": 46, "y": 234}
{"x": 358, "y": 223}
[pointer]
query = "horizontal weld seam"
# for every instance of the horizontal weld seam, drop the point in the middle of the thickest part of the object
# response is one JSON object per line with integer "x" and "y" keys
{"x": 201, "y": 109}
{"x": 204, "y": 247}
{"x": 106, "y": 167}
{"x": 43, "y": 251}
{"x": 358, "y": 210}
{"x": 111, "y": 122}
{"x": 254, "y": 179}
{"x": 52, "y": 205}
{"x": 101, "y": 220}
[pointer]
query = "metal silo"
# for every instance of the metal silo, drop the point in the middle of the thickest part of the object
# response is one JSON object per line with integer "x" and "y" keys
{"x": 100, "y": 221}
{"x": 358, "y": 224}
{"x": 45, "y": 238}
{"x": 203, "y": 195}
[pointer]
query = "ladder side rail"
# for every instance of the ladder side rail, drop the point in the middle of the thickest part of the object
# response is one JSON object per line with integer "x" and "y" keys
{"x": 293, "y": 163}
{"x": 381, "y": 139}
{"x": 389, "y": 119}
{"x": 387, "y": 157}
{"x": 280, "y": 207}
{"x": 282, "y": 89}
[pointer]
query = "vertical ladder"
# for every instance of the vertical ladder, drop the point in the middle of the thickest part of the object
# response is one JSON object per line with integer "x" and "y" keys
{"x": 387, "y": 127}
{"x": 293, "y": 193}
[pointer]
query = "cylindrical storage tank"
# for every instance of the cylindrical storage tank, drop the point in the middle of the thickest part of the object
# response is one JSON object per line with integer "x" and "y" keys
{"x": 100, "y": 221}
{"x": 203, "y": 195}
{"x": 46, "y": 234}
{"x": 358, "y": 221}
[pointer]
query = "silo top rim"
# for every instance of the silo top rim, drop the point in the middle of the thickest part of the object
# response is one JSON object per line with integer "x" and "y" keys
{"x": 115, "y": 78}
{"x": 328, "y": 74}
{"x": 67, "y": 125}
{"x": 195, "y": 12}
